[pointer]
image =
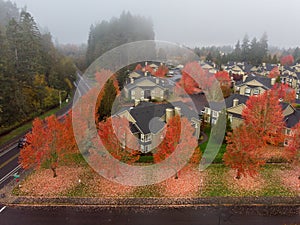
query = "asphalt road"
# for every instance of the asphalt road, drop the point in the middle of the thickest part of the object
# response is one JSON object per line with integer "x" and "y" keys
{"x": 207, "y": 215}
{"x": 9, "y": 165}
{"x": 9, "y": 157}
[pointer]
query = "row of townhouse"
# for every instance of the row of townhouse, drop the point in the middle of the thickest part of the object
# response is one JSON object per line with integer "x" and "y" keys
{"x": 288, "y": 74}
{"x": 148, "y": 119}
{"x": 250, "y": 85}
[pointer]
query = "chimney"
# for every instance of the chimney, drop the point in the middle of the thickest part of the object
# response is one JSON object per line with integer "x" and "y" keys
{"x": 169, "y": 114}
{"x": 273, "y": 80}
{"x": 131, "y": 80}
{"x": 146, "y": 63}
{"x": 136, "y": 102}
{"x": 177, "y": 111}
{"x": 146, "y": 73}
{"x": 157, "y": 80}
{"x": 235, "y": 102}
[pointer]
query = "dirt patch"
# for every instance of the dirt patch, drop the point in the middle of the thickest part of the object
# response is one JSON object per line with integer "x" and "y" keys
{"x": 247, "y": 183}
{"x": 42, "y": 182}
{"x": 188, "y": 184}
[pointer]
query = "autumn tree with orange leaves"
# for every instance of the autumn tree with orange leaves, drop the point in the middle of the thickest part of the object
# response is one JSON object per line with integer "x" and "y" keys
{"x": 285, "y": 92}
{"x": 138, "y": 67}
{"x": 274, "y": 73}
{"x": 161, "y": 71}
{"x": 287, "y": 60}
{"x": 225, "y": 82}
{"x": 293, "y": 148}
{"x": 263, "y": 125}
{"x": 118, "y": 141}
{"x": 48, "y": 144}
{"x": 186, "y": 82}
{"x": 175, "y": 139}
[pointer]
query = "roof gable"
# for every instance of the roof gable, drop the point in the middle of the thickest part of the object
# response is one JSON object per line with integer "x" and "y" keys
{"x": 254, "y": 83}
{"x": 237, "y": 109}
{"x": 145, "y": 83}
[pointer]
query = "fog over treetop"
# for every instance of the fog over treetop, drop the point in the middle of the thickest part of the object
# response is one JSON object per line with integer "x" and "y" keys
{"x": 190, "y": 22}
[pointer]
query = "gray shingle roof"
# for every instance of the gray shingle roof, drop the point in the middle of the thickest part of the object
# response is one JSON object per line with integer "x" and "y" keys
{"x": 147, "y": 115}
{"x": 293, "y": 119}
{"x": 266, "y": 81}
{"x": 229, "y": 101}
{"x": 163, "y": 83}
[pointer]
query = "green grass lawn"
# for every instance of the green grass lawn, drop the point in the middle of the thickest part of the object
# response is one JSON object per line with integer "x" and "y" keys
{"x": 21, "y": 129}
{"x": 216, "y": 183}
{"x": 219, "y": 156}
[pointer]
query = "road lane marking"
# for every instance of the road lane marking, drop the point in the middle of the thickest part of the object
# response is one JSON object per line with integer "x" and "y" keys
{"x": 2, "y": 208}
{"x": 9, "y": 160}
{"x": 9, "y": 149}
{"x": 9, "y": 174}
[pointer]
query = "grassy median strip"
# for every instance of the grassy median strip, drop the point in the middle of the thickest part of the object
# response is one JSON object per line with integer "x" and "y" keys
{"x": 20, "y": 130}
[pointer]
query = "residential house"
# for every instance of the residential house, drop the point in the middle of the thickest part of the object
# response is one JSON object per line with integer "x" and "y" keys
{"x": 254, "y": 85}
{"x": 148, "y": 87}
{"x": 148, "y": 121}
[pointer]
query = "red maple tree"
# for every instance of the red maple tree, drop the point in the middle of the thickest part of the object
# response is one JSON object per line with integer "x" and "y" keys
{"x": 274, "y": 73}
{"x": 263, "y": 125}
{"x": 118, "y": 139}
{"x": 243, "y": 152}
{"x": 223, "y": 77}
{"x": 162, "y": 71}
{"x": 264, "y": 114}
{"x": 225, "y": 82}
{"x": 48, "y": 144}
{"x": 138, "y": 67}
{"x": 287, "y": 60}
{"x": 187, "y": 82}
{"x": 175, "y": 139}
{"x": 285, "y": 92}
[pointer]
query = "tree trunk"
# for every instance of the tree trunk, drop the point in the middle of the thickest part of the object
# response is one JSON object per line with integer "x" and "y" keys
{"x": 238, "y": 175}
{"x": 54, "y": 171}
{"x": 176, "y": 175}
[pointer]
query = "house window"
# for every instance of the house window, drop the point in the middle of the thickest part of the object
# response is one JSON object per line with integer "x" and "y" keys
{"x": 214, "y": 121}
{"x": 256, "y": 92}
{"x": 147, "y": 137}
{"x": 215, "y": 114}
{"x": 230, "y": 118}
{"x": 286, "y": 142}
{"x": 147, "y": 148}
{"x": 142, "y": 137}
{"x": 247, "y": 91}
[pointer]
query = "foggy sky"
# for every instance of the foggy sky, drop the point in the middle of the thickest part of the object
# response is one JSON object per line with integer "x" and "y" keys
{"x": 190, "y": 22}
